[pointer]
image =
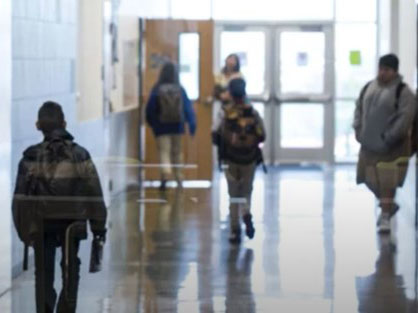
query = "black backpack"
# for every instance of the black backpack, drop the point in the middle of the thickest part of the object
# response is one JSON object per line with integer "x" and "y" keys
{"x": 399, "y": 88}
{"x": 170, "y": 104}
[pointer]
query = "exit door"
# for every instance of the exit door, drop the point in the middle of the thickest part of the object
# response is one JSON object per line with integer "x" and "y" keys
{"x": 289, "y": 74}
{"x": 189, "y": 44}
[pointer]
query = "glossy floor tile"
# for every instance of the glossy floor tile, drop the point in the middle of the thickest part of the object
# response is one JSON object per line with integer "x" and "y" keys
{"x": 315, "y": 250}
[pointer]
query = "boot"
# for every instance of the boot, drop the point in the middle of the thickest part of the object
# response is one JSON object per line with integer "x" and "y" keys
{"x": 249, "y": 227}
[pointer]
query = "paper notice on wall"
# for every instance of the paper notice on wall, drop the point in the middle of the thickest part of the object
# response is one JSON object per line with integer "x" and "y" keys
{"x": 130, "y": 73}
{"x": 302, "y": 59}
{"x": 355, "y": 57}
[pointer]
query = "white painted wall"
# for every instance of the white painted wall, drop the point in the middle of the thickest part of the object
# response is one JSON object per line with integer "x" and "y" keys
{"x": 398, "y": 22}
{"x": 384, "y": 27}
{"x": 145, "y": 8}
{"x": 5, "y": 144}
{"x": 125, "y": 92}
{"x": 407, "y": 40}
{"x": 403, "y": 42}
{"x": 130, "y": 7}
{"x": 90, "y": 60}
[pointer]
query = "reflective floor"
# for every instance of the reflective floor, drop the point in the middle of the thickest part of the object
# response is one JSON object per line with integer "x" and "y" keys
{"x": 315, "y": 250}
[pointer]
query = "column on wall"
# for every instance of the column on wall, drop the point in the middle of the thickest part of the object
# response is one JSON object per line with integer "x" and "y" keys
{"x": 403, "y": 38}
{"x": 90, "y": 60}
{"x": 5, "y": 143}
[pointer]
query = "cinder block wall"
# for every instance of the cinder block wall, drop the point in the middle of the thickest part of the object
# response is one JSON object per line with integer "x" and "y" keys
{"x": 44, "y": 35}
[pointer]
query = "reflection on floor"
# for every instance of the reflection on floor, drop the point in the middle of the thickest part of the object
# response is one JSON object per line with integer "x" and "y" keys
{"x": 315, "y": 250}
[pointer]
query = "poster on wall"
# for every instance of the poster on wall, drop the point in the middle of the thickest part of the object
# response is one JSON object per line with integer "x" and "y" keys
{"x": 130, "y": 73}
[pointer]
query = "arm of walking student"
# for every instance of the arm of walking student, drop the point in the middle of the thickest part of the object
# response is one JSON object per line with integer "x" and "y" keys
{"x": 151, "y": 109}
{"x": 189, "y": 113}
{"x": 92, "y": 189}
{"x": 20, "y": 189}
{"x": 261, "y": 130}
{"x": 402, "y": 122}
{"x": 357, "y": 124}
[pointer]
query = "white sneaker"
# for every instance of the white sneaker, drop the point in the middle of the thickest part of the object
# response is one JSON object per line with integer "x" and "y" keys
{"x": 383, "y": 226}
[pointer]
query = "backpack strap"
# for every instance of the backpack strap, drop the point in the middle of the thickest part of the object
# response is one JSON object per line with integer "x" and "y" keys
{"x": 399, "y": 89}
{"x": 363, "y": 92}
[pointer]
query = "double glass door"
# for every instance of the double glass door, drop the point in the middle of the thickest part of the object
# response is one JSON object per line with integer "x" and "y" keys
{"x": 289, "y": 74}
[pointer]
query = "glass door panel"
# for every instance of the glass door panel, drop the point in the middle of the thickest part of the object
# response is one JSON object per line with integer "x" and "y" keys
{"x": 302, "y": 60}
{"x": 250, "y": 46}
{"x": 260, "y": 108}
{"x": 302, "y": 126}
{"x": 289, "y": 72}
{"x": 189, "y": 63}
{"x": 265, "y": 111}
{"x": 346, "y": 146}
{"x": 303, "y": 89}
{"x": 355, "y": 58}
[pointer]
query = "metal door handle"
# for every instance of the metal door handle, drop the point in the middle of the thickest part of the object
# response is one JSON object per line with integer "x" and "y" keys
{"x": 321, "y": 98}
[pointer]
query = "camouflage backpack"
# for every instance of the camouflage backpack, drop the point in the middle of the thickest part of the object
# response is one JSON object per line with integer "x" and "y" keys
{"x": 170, "y": 104}
{"x": 240, "y": 135}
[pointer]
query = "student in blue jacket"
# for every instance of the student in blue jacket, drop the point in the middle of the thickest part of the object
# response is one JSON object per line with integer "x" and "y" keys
{"x": 168, "y": 110}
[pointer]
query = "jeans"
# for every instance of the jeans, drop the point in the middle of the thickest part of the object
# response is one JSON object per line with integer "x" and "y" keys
{"x": 70, "y": 275}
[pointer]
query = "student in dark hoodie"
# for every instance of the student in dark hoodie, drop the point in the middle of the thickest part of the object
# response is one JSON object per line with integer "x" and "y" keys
{"x": 168, "y": 110}
{"x": 58, "y": 182}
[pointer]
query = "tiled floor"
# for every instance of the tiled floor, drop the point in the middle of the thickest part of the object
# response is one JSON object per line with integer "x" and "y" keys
{"x": 315, "y": 250}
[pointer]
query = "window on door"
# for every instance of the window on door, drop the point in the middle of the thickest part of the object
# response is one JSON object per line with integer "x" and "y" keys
{"x": 302, "y": 125}
{"x": 250, "y": 47}
{"x": 302, "y": 62}
{"x": 189, "y": 63}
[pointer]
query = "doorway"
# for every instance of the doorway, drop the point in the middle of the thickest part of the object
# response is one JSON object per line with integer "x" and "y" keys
{"x": 290, "y": 80}
{"x": 189, "y": 44}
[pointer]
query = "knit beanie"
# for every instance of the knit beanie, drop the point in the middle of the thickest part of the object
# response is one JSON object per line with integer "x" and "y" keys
{"x": 237, "y": 88}
{"x": 389, "y": 60}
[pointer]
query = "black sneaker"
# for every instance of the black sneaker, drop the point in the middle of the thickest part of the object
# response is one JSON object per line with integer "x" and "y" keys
{"x": 249, "y": 227}
{"x": 163, "y": 185}
{"x": 235, "y": 236}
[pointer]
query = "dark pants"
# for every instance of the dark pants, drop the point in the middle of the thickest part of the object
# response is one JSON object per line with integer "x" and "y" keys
{"x": 70, "y": 275}
{"x": 240, "y": 187}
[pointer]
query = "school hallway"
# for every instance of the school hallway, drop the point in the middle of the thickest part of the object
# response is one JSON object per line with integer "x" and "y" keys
{"x": 303, "y": 67}
{"x": 315, "y": 250}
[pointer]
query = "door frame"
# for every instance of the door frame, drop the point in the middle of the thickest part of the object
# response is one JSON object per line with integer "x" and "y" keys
{"x": 274, "y": 154}
{"x": 165, "y": 45}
